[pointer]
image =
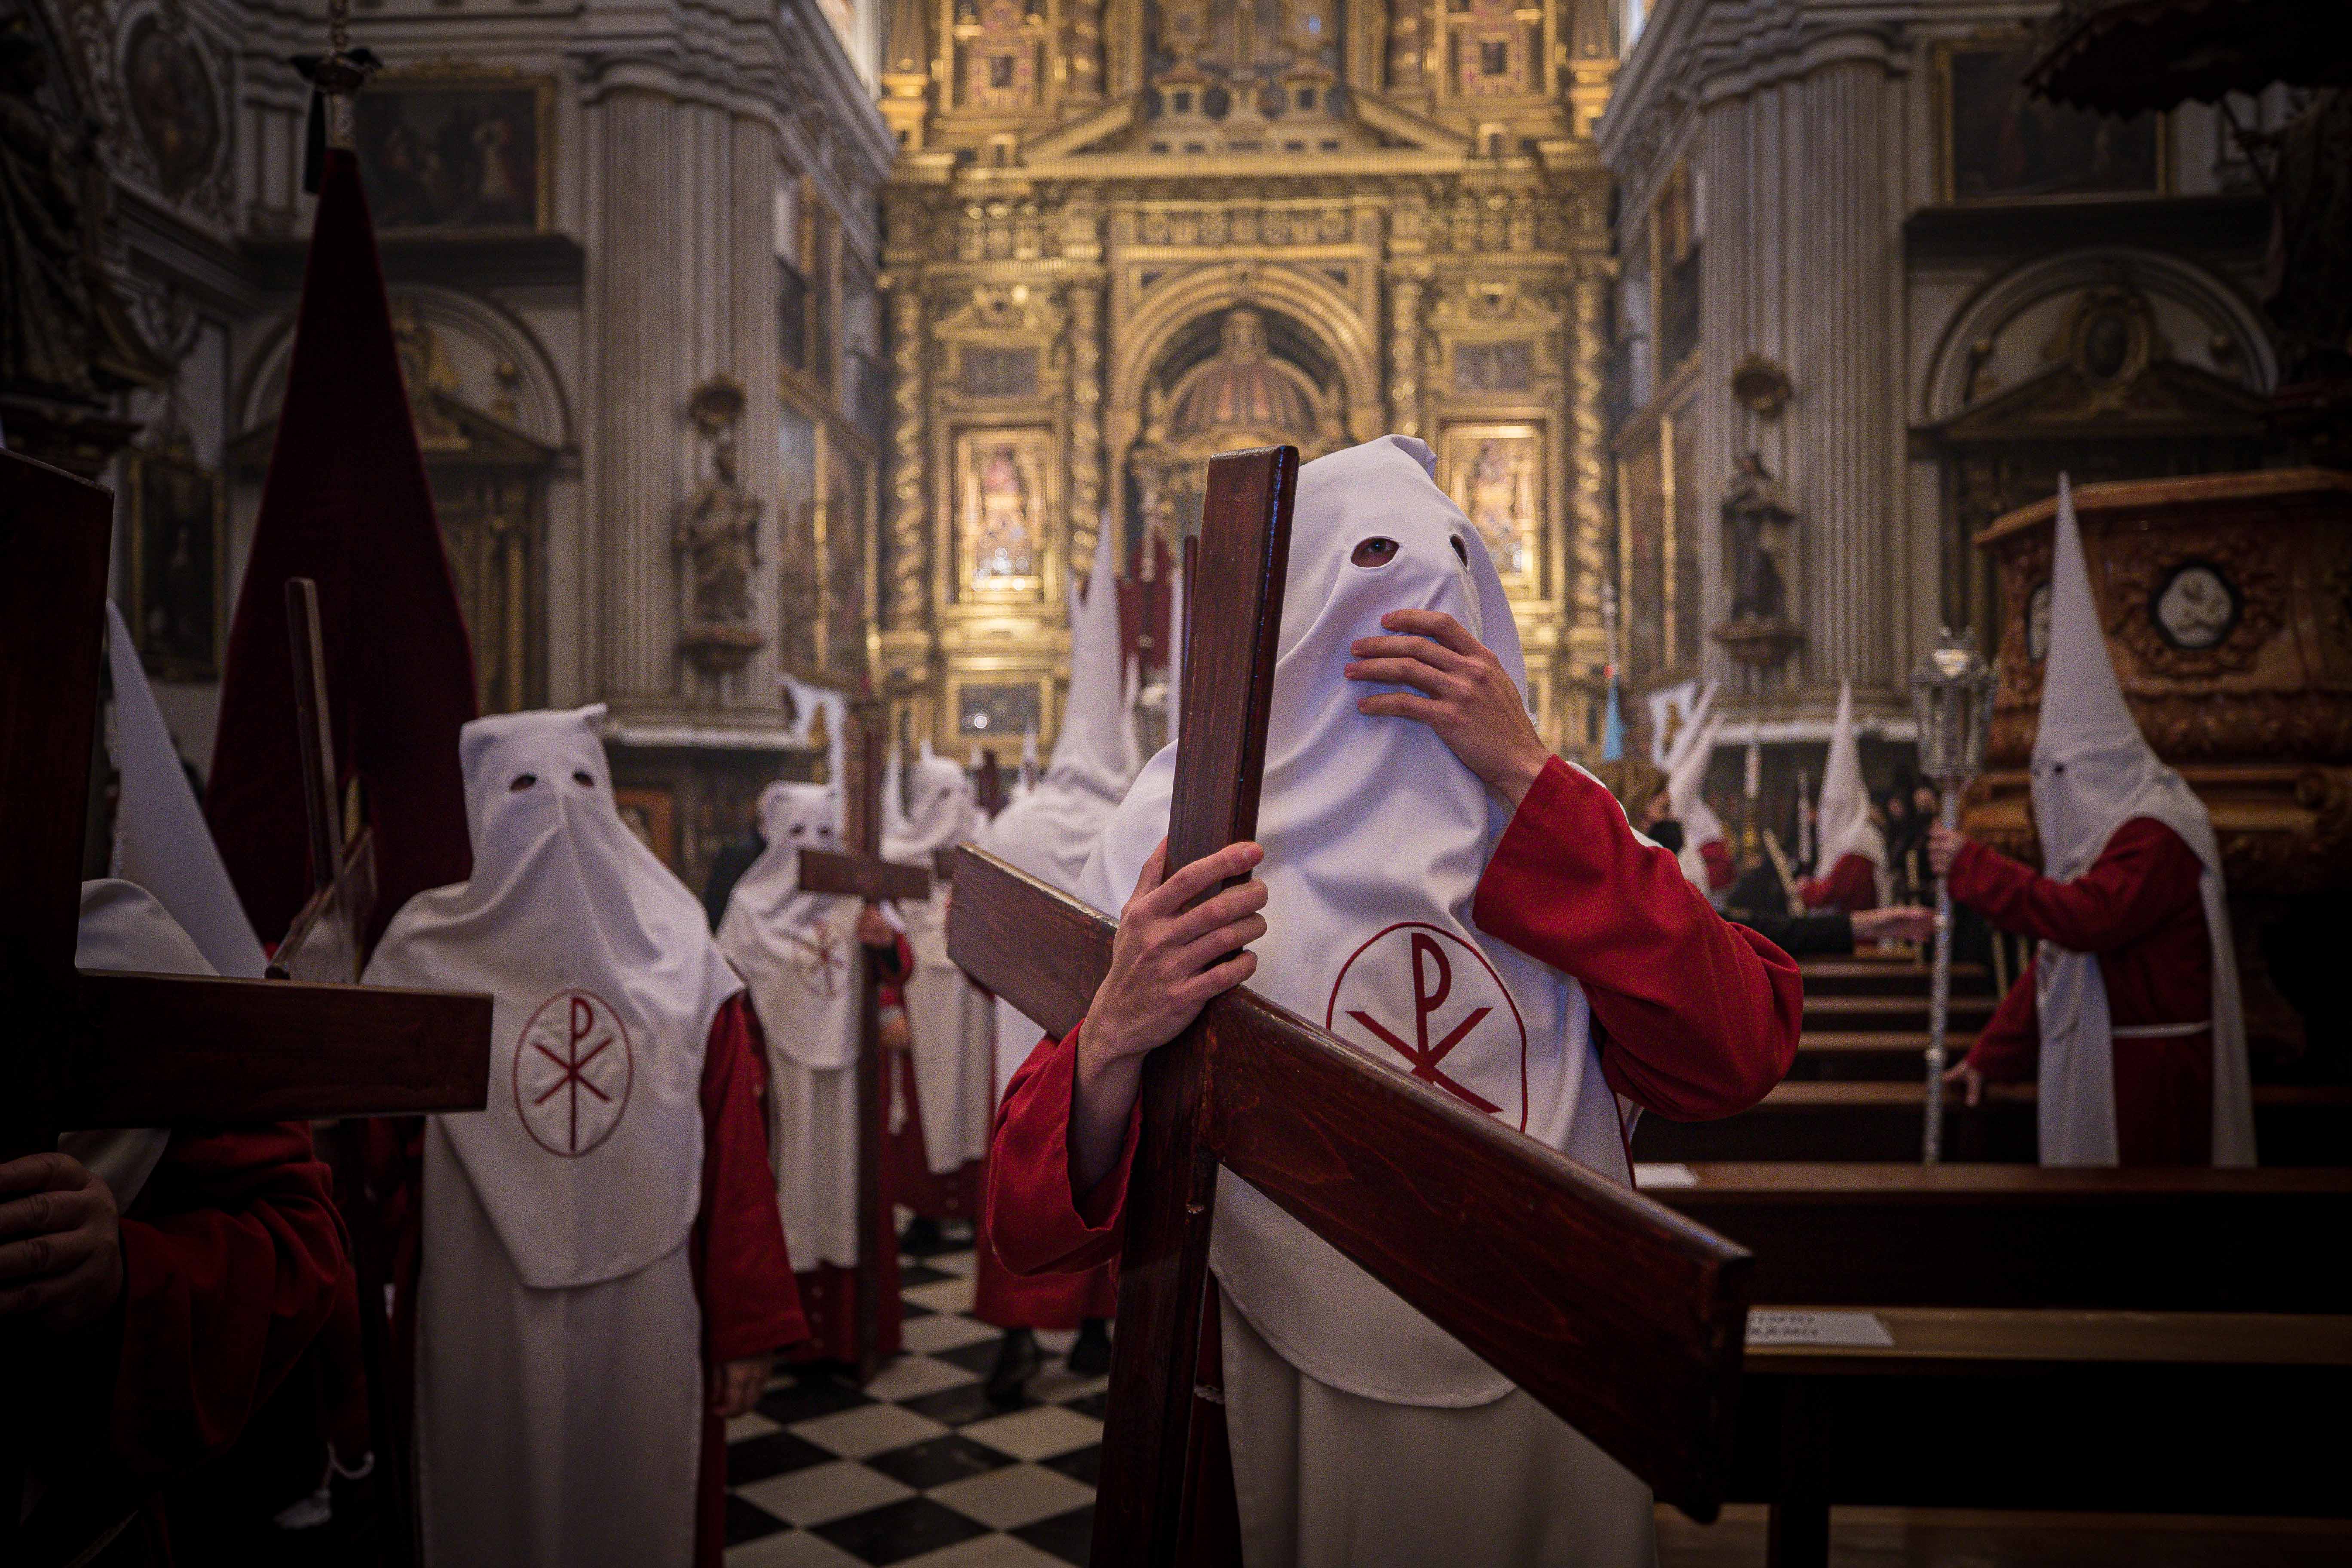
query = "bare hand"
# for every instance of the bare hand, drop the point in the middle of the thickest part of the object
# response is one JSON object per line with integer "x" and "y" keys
{"x": 873, "y": 931}
{"x": 1168, "y": 961}
{"x": 1459, "y": 690}
{"x": 1964, "y": 1076}
{"x": 891, "y": 1029}
{"x": 1944, "y": 846}
{"x": 60, "y": 1243}
{"x": 1897, "y": 923}
{"x": 735, "y": 1385}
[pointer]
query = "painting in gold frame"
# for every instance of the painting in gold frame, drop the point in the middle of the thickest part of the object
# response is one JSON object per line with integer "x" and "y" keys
{"x": 1996, "y": 142}
{"x": 447, "y": 151}
{"x": 651, "y": 814}
{"x": 1004, "y": 496}
{"x": 179, "y": 563}
{"x": 1494, "y": 474}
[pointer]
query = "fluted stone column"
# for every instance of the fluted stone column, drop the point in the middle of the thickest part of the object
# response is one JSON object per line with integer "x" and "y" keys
{"x": 679, "y": 289}
{"x": 1845, "y": 427}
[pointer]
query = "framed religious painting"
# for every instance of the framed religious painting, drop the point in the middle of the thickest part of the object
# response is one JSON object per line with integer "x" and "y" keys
{"x": 179, "y": 563}
{"x": 1004, "y": 494}
{"x": 174, "y": 104}
{"x": 1998, "y": 142}
{"x": 1495, "y": 475}
{"x": 651, "y": 812}
{"x": 450, "y": 152}
{"x": 1005, "y": 707}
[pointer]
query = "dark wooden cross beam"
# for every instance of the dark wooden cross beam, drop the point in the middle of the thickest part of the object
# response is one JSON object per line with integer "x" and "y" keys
{"x": 859, "y": 872}
{"x": 89, "y": 1049}
{"x": 1620, "y": 1316}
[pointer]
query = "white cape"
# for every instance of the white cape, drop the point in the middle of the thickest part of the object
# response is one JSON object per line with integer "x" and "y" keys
{"x": 1375, "y": 840}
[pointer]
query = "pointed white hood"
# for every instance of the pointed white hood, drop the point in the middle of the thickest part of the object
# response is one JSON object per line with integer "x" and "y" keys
{"x": 792, "y": 947}
{"x": 1684, "y": 789}
{"x": 942, "y": 811}
{"x": 606, "y": 982}
{"x": 1375, "y": 838}
{"x": 2093, "y": 771}
{"x": 1845, "y": 810}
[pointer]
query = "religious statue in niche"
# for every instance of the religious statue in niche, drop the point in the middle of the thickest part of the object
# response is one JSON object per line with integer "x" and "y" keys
{"x": 64, "y": 332}
{"x": 1004, "y": 506}
{"x": 173, "y": 103}
{"x": 716, "y": 538}
{"x": 1500, "y": 501}
{"x": 1756, "y": 523}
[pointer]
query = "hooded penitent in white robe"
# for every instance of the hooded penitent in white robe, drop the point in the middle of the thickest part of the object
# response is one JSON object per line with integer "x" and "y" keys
{"x": 796, "y": 952}
{"x": 558, "y": 1383}
{"x": 1364, "y": 1434}
{"x": 2093, "y": 771}
{"x": 1846, "y": 824}
{"x": 1686, "y": 793}
{"x": 950, "y": 1021}
{"x": 1050, "y": 831}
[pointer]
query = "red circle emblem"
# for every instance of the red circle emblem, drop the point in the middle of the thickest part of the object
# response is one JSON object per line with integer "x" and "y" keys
{"x": 1418, "y": 992}
{"x": 820, "y": 960}
{"x": 572, "y": 1069}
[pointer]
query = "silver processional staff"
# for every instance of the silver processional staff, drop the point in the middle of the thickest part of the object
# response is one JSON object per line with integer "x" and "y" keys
{"x": 1951, "y": 691}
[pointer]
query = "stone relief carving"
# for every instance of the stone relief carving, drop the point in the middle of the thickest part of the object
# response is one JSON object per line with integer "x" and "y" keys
{"x": 716, "y": 538}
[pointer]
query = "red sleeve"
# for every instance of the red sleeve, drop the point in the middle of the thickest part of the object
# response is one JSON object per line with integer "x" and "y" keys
{"x": 1720, "y": 872}
{"x": 1036, "y": 1222}
{"x": 1852, "y": 886}
{"x": 2145, "y": 873}
{"x": 2011, "y": 1045}
{"x": 744, "y": 1276}
{"x": 230, "y": 1258}
{"x": 1701, "y": 1016}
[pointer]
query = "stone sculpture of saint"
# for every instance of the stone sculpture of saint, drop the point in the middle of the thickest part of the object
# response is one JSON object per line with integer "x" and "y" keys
{"x": 1754, "y": 521}
{"x": 719, "y": 535}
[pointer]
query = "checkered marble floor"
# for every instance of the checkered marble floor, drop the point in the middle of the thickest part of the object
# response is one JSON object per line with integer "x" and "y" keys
{"x": 917, "y": 1469}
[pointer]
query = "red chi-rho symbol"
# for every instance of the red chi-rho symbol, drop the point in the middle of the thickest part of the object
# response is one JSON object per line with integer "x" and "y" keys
{"x": 1431, "y": 998}
{"x": 818, "y": 958}
{"x": 572, "y": 1069}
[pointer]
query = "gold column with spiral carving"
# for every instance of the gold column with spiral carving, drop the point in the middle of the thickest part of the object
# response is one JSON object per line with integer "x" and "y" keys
{"x": 906, "y": 608}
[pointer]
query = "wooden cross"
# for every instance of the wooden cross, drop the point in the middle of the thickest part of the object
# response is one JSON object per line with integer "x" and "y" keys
{"x": 859, "y": 872}
{"x": 89, "y": 1049}
{"x": 1622, "y": 1317}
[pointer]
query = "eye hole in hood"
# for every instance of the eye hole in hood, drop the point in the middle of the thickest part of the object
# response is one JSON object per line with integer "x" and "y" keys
{"x": 1375, "y": 552}
{"x": 1461, "y": 551}
{"x": 581, "y": 777}
{"x": 520, "y": 783}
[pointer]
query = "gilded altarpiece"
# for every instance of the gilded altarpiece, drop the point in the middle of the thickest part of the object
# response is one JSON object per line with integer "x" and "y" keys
{"x": 1202, "y": 224}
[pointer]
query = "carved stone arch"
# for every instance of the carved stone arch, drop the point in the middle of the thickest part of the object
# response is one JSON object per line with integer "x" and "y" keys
{"x": 1320, "y": 307}
{"x": 1944, "y": 393}
{"x": 541, "y": 410}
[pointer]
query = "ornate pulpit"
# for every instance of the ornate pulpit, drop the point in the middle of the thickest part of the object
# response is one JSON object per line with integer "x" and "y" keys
{"x": 2227, "y": 601}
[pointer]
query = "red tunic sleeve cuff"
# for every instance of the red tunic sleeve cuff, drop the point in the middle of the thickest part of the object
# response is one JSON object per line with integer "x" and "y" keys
{"x": 1037, "y": 1221}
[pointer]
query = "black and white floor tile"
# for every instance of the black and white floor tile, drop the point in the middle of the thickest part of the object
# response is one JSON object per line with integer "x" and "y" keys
{"x": 917, "y": 1469}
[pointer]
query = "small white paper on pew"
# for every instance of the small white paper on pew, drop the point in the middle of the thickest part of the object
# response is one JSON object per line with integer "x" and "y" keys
{"x": 1841, "y": 1329}
{"x": 1664, "y": 1176}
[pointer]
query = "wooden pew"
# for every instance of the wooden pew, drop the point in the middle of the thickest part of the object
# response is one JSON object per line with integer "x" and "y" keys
{"x": 2140, "y": 1412}
{"x": 1827, "y": 1012}
{"x": 2021, "y": 1236}
{"x": 1876, "y": 974}
{"x": 2295, "y": 1124}
{"x": 1882, "y": 1055}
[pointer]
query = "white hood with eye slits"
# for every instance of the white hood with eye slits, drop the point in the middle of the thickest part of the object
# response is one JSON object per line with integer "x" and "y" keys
{"x": 1375, "y": 839}
{"x": 793, "y": 947}
{"x": 589, "y": 1158}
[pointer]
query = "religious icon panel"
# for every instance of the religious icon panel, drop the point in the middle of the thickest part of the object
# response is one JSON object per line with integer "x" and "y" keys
{"x": 2001, "y": 142}
{"x": 1004, "y": 496}
{"x": 1494, "y": 474}
{"x": 178, "y": 563}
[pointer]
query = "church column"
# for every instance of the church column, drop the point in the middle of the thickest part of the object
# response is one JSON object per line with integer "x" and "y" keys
{"x": 1084, "y": 303}
{"x": 1846, "y": 419}
{"x": 1405, "y": 292}
{"x": 904, "y": 604}
{"x": 642, "y": 350}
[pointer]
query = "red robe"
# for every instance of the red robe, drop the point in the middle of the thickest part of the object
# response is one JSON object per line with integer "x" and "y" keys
{"x": 1058, "y": 1300}
{"x": 907, "y": 1179}
{"x": 1694, "y": 1017}
{"x": 230, "y": 1257}
{"x": 1852, "y": 886}
{"x": 2139, "y": 909}
{"x": 742, "y": 1272}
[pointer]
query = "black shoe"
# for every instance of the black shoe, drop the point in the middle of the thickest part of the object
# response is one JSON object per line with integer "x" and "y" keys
{"x": 921, "y": 1239}
{"x": 1091, "y": 1353}
{"x": 1018, "y": 1360}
